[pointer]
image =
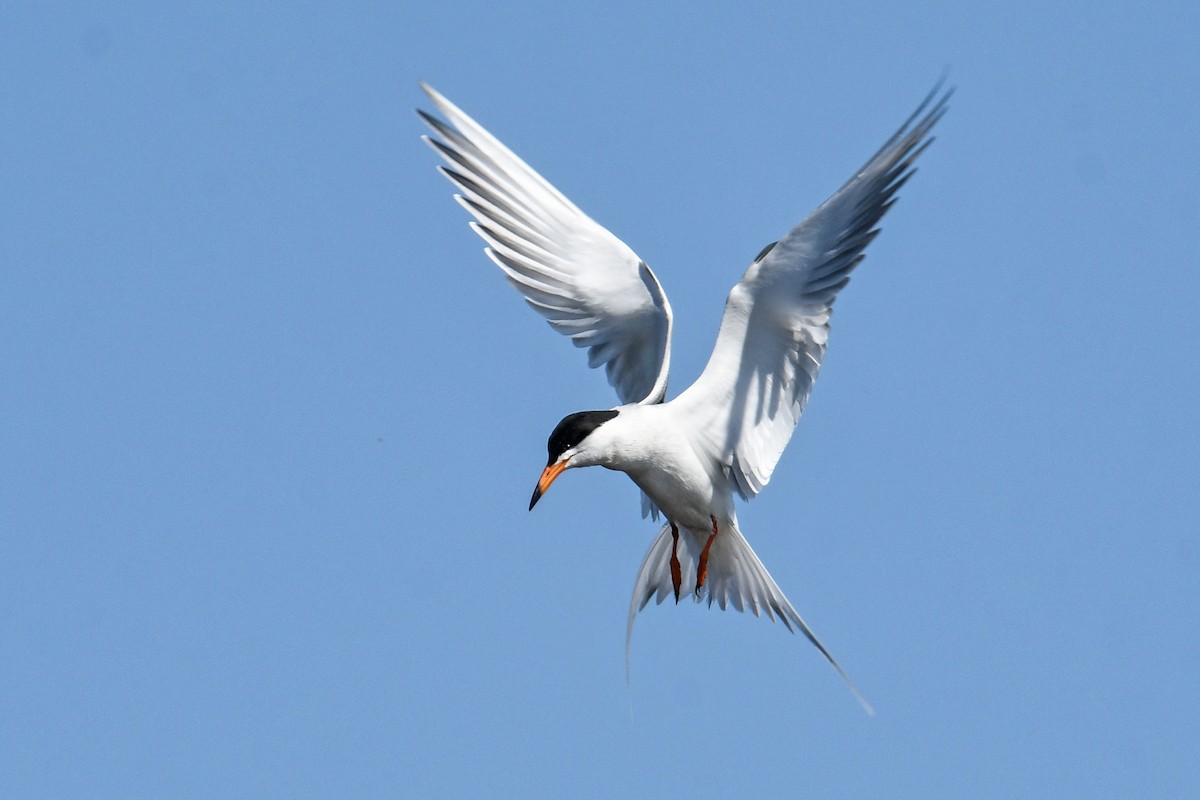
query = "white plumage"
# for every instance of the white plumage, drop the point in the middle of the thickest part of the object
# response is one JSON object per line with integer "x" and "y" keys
{"x": 724, "y": 434}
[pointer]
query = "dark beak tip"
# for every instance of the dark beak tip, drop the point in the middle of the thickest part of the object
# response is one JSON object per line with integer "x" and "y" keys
{"x": 537, "y": 495}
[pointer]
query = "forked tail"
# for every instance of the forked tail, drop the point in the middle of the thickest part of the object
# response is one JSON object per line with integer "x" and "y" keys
{"x": 735, "y": 576}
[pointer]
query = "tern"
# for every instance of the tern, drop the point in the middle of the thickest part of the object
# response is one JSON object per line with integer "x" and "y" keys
{"x": 723, "y": 435}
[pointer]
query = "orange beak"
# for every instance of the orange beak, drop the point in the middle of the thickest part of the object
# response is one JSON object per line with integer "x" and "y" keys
{"x": 548, "y": 475}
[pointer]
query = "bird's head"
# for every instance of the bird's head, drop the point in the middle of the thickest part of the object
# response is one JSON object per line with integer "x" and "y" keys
{"x": 568, "y": 446}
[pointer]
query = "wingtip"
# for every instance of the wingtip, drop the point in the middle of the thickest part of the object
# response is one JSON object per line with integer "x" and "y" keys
{"x": 940, "y": 87}
{"x": 943, "y": 79}
{"x": 433, "y": 94}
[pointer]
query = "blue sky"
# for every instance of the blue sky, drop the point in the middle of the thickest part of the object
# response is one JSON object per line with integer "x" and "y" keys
{"x": 271, "y": 419}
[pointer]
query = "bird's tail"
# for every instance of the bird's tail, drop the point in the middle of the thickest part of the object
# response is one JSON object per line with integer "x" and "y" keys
{"x": 735, "y": 576}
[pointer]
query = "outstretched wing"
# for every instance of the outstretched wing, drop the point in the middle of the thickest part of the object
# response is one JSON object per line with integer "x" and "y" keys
{"x": 585, "y": 281}
{"x": 747, "y": 401}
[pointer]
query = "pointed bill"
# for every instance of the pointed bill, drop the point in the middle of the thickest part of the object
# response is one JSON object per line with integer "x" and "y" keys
{"x": 548, "y": 475}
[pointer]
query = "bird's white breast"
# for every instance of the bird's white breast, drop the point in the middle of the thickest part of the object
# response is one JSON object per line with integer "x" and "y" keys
{"x": 648, "y": 444}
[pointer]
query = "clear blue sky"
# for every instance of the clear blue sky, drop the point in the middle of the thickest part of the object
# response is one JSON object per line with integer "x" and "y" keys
{"x": 271, "y": 420}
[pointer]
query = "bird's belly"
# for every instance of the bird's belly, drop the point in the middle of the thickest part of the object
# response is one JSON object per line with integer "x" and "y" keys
{"x": 686, "y": 498}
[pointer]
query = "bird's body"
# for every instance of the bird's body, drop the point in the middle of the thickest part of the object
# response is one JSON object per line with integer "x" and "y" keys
{"x": 723, "y": 435}
{"x": 655, "y": 447}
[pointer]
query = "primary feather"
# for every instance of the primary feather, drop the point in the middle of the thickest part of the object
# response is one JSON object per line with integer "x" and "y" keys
{"x": 724, "y": 435}
{"x": 588, "y": 284}
{"x": 773, "y": 335}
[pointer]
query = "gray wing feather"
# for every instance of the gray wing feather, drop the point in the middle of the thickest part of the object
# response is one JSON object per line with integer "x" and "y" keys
{"x": 588, "y": 284}
{"x": 773, "y": 336}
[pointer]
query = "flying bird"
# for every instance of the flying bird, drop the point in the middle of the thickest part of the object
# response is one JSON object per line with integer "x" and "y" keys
{"x": 723, "y": 435}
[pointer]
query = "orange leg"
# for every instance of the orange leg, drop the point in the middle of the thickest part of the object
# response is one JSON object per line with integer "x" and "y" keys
{"x": 676, "y": 572}
{"x": 702, "y": 570}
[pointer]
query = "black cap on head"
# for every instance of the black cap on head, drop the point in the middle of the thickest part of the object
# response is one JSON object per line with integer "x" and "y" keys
{"x": 573, "y": 429}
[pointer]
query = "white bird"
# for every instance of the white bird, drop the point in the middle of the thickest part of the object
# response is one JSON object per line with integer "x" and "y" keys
{"x": 724, "y": 434}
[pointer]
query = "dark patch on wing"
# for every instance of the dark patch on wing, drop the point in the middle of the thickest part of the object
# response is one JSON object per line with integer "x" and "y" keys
{"x": 763, "y": 253}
